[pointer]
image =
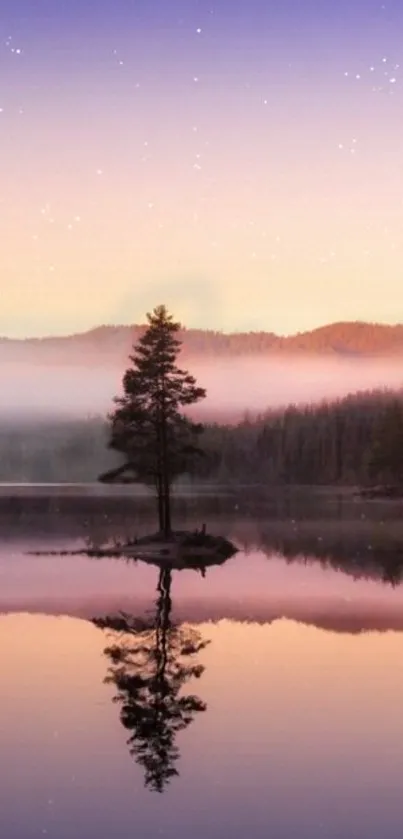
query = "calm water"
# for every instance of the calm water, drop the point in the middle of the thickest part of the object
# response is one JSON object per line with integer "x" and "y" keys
{"x": 263, "y": 699}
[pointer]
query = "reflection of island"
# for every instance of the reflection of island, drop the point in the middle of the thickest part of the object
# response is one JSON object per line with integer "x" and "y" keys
{"x": 151, "y": 661}
{"x": 361, "y": 547}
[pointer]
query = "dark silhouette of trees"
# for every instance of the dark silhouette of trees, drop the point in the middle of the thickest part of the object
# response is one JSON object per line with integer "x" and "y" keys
{"x": 386, "y": 454}
{"x": 148, "y": 426}
{"x": 150, "y": 663}
{"x": 357, "y": 440}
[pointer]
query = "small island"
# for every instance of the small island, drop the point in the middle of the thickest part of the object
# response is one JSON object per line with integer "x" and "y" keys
{"x": 158, "y": 442}
{"x": 183, "y": 547}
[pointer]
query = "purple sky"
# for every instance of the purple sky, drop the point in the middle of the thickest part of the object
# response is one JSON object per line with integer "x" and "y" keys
{"x": 241, "y": 162}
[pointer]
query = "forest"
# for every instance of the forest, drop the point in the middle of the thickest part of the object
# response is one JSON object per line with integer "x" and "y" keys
{"x": 354, "y": 441}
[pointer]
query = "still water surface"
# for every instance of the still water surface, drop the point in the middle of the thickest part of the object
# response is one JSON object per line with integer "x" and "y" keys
{"x": 264, "y": 699}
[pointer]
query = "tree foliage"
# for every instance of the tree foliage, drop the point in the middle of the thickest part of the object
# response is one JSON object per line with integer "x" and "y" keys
{"x": 148, "y": 427}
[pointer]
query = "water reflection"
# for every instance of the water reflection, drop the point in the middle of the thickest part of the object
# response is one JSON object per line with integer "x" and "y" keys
{"x": 357, "y": 548}
{"x": 150, "y": 662}
{"x": 342, "y": 574}
{"x": 360, "y": 540}
{"x": 264, "y": 740}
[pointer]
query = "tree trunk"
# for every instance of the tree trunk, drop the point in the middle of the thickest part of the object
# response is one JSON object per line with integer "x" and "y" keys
{"x": 159, "y": 477}
{"x": 167, "y": 509}
{"x": 160, "y": 505}
{"x": 165, "y": 477}
{"x": 167, "y": 506}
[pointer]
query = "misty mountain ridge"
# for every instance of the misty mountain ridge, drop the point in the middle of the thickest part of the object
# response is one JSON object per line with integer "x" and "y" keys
{"x": 80, "y": 374}
{"x": 111, "y": 345}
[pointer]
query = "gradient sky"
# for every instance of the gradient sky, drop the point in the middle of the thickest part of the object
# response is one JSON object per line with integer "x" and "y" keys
{"x": 240, "y": 161}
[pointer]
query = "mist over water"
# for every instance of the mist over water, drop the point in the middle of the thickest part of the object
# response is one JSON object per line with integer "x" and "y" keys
{"x": 233, "y": 385}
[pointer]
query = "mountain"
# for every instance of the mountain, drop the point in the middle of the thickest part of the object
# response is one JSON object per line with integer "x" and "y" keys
{"x": 109, "y": 346}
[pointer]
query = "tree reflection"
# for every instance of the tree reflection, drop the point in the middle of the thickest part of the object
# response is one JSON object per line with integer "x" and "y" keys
{"x": 151, "y": 661}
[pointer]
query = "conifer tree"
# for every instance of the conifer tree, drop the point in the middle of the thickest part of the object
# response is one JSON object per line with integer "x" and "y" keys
{"x": 148, "y": 427}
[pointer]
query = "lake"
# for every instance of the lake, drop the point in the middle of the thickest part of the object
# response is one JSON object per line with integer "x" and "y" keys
{"x": 263, "y": 698}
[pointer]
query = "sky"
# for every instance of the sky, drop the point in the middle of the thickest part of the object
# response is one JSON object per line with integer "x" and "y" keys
{"x": 241, "y": 162}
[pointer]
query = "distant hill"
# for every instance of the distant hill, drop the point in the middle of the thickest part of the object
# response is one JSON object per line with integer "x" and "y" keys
{"x": 110, "y": 345}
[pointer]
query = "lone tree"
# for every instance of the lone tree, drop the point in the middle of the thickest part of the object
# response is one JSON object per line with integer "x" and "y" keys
{"x": 148, "y": 427}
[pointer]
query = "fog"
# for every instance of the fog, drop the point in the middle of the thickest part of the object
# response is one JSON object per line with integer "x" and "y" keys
{"x": 233, "y": 385}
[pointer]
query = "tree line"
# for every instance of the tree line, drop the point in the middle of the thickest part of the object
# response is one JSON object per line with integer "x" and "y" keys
{"x": 357, "y": 440}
